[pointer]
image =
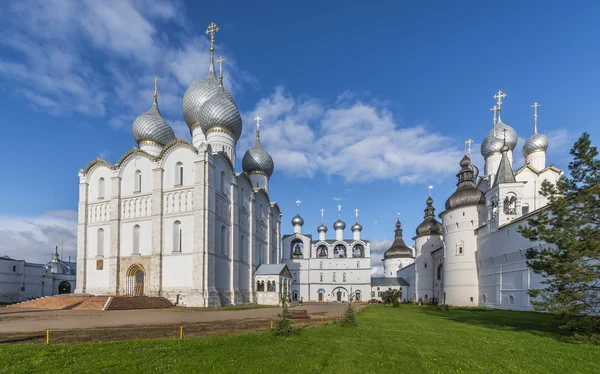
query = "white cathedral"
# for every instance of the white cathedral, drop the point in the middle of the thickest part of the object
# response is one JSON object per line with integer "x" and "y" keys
{"x": 176, "y": 220}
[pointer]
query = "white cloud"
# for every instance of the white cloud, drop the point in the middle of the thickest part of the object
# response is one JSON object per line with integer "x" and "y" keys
{"x": 34, "y": 238}
{"x": 99, "y": 57}
{"x": 358, "y": 141}
{"x": 377, "y": 248}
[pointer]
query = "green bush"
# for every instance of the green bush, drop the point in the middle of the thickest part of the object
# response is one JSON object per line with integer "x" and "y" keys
{"x": 349, "y": 318}
{"x": 283, "y": 324}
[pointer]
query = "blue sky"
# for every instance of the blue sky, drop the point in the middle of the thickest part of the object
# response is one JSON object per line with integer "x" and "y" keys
{"x": 363, "y": 106}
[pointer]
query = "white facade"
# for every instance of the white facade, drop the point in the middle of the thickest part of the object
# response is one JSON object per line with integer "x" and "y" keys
{"x": 22, "y": 281}
{"x": 479, "y": 258}
{"x": 327, "y": 270}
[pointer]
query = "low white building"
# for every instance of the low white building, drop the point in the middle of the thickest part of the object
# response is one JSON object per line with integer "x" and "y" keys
{"x": 21, "y": 281}
{"x": 380, "y": 285}
{"x": 273, "y": 282}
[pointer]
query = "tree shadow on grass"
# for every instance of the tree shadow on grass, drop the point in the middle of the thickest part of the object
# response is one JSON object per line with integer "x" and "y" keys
{"x": 540, "y": 324}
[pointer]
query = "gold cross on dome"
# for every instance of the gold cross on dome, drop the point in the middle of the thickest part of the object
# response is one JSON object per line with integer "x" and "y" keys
{"x": 535, "y": 115}
{"x": 155, "y": 80}
{"x": 220, "y": 61}
{"x": 211, "y": 31}
{"x": 257, "y": 119}
{"x": 499, "y": 96}
{"x": 468, "y": 146}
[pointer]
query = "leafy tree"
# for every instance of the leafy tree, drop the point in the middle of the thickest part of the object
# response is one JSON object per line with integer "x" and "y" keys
{"x": 391, "y": 297}
{"x": 570, "y": 224}
{"x": 349, "y": 317}
{"x": 283, "y": 324}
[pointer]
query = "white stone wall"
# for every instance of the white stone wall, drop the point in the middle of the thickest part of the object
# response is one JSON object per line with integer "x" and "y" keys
{"x": 424, "y": 274}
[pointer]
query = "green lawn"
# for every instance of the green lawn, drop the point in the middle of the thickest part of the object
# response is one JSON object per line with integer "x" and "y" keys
{"x": 396, "y": 340}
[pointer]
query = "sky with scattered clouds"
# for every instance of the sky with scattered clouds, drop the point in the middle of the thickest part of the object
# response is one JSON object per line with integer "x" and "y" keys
{"x": 362, "y": 106}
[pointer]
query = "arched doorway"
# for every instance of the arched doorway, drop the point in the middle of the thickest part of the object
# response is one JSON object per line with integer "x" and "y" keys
{"x": 321, "y": 294}
{"x": 357, "y": 297}
{"x": 295, "y": 295}
{"x": 135, "y": 281}
{"x": 338, "y": 295}
{"x": 64, "y": 287}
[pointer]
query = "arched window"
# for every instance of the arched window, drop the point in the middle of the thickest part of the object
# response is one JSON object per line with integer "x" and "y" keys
{"x": 224, "y": 250}
{"x": 321, "y": 277}
{"x": 320, "y": 264}
{"x": 179, "y": 174}
{"x": 344, "y": 277}
{"x": 484, "y": 298}
{"x": 136, "y": 240}
{"x": 357, "y": 264}
{"x": 138, "y": 181}
{"x": 322, "y": 251}
{"x": 525, "y": 209}
{"x": 223, "y": 182}
{"x": 100, "y": 243}
{"x": 177, "y": 236}
{"x": 439, "y": 272}
{"x": 511, "y": 299}
{"x": 339, "y": 251}
{"x": 297, "y": 246}
{"x": 425, "y": 265}
{"x": 358, "y": 251}
{"x": 334, "y": 277}
{"x": 101, "y": 188}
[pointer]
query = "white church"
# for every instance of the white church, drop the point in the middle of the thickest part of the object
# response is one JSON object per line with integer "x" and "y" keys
{"x": 175, "y": 219}
{"x": 475, "y": 256}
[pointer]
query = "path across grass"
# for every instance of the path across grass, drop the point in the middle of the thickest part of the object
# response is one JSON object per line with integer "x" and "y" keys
{"x": 388, "y": 340}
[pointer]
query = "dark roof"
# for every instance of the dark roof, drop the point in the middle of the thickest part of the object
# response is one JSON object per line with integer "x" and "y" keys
{"x": 328, "y": 241}
{"x": 273, "y": 269}
{"x": 399, "y": 249}
{"x": 505, "y": 173}
{"x": 377, "y": 282}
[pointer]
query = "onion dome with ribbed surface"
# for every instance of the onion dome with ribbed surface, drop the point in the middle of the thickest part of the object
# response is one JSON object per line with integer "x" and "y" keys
{"x": 220, "y": 114}
{"x": 199, "y": 92}
{"x": 495, "y": 139}
{"x": 297, "y": 220}
{"x": 537, "y": 143}
{"x": 151, "y": 127}
{"x": 257, "y": 159}
{"x": 399, "y": 249}
{"x": 429, "y": 225}
{"x": 466, "y": 192}
{"x": 339, "y": 225}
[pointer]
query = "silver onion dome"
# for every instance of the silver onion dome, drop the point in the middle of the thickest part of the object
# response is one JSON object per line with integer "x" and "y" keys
{"x": 257, "y": 159}
{"x": 466, "y": 192}
{"x": 537, "y": 143}
{"x": 494, "y": 140}
{"x": 339, "y": 225}
{"x": 356, "y": 227}
{"x": 152, "y": 127}
{"x": 297, "y": 220}
{"x": 322, "y": 228}
{"x": 199, "y": 92}
{"x": 220, "y": 113}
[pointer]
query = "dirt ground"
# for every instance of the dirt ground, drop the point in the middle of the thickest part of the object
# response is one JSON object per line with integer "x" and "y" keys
{"x": 30, "y": 325}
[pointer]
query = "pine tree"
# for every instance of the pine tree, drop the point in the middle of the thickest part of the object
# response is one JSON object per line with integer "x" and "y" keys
{"x": 570, "y": 225}
{"x": 283, "y": 324}
{"x": 349, "y": 317}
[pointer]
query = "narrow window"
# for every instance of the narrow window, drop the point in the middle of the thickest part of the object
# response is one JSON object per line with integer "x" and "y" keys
{"x": 357, "y": 264}
{"x": 136, "y": 240}
{"x": 321, "y": 277}
{"x": 100, "y": 244}
{"x": 179, "y": 174}
{"x": 177, "y": 236}
{"x": 101, "y": 188}
{"x": 334, "y": 277}
{"x": 511, "y": 299}
{"x": 321, "y": 265}
{"x": 439, "y": 272}
{"x": 460, "y": 250}
{"x": 223, "y": 181}
{"x": 138, "y": 181}
{"x": 425, "y": 265}
{"x": 344, "y": 277}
